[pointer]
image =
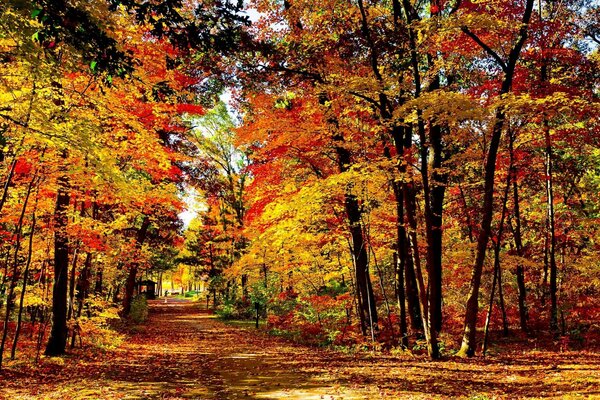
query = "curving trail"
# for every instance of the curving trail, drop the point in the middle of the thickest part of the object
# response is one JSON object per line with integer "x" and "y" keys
{"x": 182, "y": 352}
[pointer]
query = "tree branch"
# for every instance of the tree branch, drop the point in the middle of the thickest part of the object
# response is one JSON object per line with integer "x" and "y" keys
{"x": 366, "y": 98}
{"x": 280, "y": 68}
{"x": 485, "y": 47}
{"x": 455, "y": 7}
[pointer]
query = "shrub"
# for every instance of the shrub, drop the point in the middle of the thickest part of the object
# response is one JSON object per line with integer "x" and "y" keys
{"x": 98, "y": 324}
{"x": 318, "y": 320}
{"x": 226, "y": 311}
{"x": 139, "y": 309}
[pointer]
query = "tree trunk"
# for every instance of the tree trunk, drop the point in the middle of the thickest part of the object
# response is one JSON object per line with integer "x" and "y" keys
{"x": 402, "y": 255}
{"x": 245, "y": 286}
{"x": 437, "y": 193}
{"x": 364, "y": 289}
{"x": 469, "y": 341}
{"x": 131, "y": 277}
{"x": 401, "y": 299}
{"x": 497, "y": 279}
{"x": 519, "y": 271}
{"x": 71, "y": 307}
{"x": 82, "y": 291}
{"x": 23, "y": 288}
{"x": 550, "y": 222}
{"x": 99, "y": 278}
{"x": 432, "y": 297}
{"x": 7, "y": 183}
{"x": 58, "y": 336}
{"x": 363, "y": 281}
{"x": 412, "y": 293}
{"x": 488, "y": 318}
{"x": 432, "y": 348}
{"x": 505, "y": 329}
{"x": 15, "y": 270}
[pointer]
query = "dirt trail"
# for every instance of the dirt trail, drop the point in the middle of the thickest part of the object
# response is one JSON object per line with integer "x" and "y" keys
{"x": 200, "y": 357}
{"x": 183, "y": 352}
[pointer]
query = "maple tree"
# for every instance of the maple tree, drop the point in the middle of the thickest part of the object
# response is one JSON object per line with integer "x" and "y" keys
{"x": 382, "y": 173}
{"x": 103, "y": 149}
{"x": 418, "y": 95}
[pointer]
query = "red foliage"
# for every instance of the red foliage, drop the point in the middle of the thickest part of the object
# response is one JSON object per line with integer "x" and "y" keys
{"x": 175, "y": 174}
{"x": 23, "y": 167}
{"x": 190, "y": 109}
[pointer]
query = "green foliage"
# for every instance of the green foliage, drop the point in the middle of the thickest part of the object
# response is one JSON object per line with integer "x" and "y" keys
{"x": 226, "y": 310}
{"x": 333, "y": 288}
{"x": 236, "y": 309}
{"x": 260, "y": 294}
{"x": 139, "y": 309}
{"x": 317, "y": 320}
{"x": 421, "y": 346}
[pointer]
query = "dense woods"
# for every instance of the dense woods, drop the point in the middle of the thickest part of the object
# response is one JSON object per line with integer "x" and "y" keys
{"x": 419, "y": 175}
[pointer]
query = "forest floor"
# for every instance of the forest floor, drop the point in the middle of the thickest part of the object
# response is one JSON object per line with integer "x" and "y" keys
{"x": 183, "y": 352}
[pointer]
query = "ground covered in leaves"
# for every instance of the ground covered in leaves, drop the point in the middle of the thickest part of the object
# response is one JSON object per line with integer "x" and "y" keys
{"x": 184, "y": 352}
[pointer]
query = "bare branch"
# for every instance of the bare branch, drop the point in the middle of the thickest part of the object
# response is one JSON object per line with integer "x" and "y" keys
{"x": 485, "y": 47}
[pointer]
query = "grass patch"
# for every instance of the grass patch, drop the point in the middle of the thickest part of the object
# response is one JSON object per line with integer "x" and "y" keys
{"x": 244, "y": 323}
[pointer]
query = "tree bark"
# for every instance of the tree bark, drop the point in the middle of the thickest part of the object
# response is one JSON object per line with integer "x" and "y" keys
{"x": 132, "y": 275}
{"x": 15, "y": 270}
{"x": 13, "y": 351}
{"x": 550, "y": 219}
{"x": 401, "y": 299}
{"x": 364, "y": 289}
{"x": 58, "y": 336}
{"x": 519, "y": 271}
{"x": 469, "y": 341}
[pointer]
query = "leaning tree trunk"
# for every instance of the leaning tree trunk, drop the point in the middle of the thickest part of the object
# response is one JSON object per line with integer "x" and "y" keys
{"x": 497, "y": 268}
{"x": 13, "y": 350}
{"x": 469, "y": 341}
{"x": 15, "y": 271}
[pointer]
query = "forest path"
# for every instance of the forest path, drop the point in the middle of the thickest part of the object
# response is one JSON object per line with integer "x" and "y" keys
{"x": 183, "y": 352}
{"x": 190, "y": 354}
